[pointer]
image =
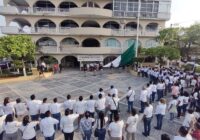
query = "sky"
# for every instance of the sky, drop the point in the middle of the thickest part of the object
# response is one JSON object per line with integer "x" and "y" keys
{"x": 183, "y": 13}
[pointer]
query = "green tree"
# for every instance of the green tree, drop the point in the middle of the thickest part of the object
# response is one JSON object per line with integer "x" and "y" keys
{"x": 17, "y": 47}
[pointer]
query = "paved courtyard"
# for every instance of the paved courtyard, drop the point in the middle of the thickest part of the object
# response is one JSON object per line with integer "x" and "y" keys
{"x": 75, "y": 83}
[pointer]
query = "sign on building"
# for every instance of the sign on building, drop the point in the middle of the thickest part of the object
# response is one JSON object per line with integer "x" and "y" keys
{"x": 90, "y": 58}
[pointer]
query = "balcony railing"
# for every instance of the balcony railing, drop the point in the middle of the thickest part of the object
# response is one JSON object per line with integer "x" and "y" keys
{"x": 78, "y": 31}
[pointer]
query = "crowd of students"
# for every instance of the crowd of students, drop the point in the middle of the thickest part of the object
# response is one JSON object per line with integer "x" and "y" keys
{"x": 100, "y": 114}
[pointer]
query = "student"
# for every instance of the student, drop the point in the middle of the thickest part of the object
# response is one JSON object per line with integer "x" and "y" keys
{"x": 165, "y": 137}
{"x": 55, "y": 109}
{"x": 131, "y": 125}
{"x": 154, "y": 91}
{"x": 2, "y": 118}
{"x": 172, "y": 107}
{"x": 44, "y": 107}
{"x": 185, "y": 102}
{"x": 115, "y": 129}
{"x": 33, "y": 108}
{"x": 100, "y": 92}
{"x": 182, "y": 134}
{"x": 180, "y": 104}
{"x": 196, "y": 132}
{"x": 69, "y": 104}
{"x": 143, "y": 99}
{"x": 8, "y": 107}
{"x": 20, "y": 109}
{"x": 130, "y": 98}
{"x": 147, "y": 118}
{"x": 113, "y": 90}
{"x": 189, "y": 119}
{"x": 113, "y": 106}
{"x": 80, "y": 107}
{"x": 90, "y": 106}
{"x": 67, "y": 124}
{"x": 86, "y": 124}
{"x": 100, "y": 104}
{"x": 28, "y": 129}
{"x": 11, "y": 128}
{"x": 47, "y": 126}
{"x": 160, "y": 112}
{"x": 101, "y": 126}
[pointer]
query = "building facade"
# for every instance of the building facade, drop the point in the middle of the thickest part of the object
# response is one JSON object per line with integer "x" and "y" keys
{"x": 73, "y": 31}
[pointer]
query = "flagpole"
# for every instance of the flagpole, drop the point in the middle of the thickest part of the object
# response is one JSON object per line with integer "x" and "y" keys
{"x": 138, "y": 28}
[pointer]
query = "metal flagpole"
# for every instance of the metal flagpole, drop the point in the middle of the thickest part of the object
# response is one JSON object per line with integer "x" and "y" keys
{"x": 138, "y": 28}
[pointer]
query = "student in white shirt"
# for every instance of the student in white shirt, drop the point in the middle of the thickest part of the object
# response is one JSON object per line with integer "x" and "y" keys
{"x": 189, "y": 119}
{"x": 2, "y": 118}
{"x": 47, "y": 126}
{"x": 100, "y": 104}
{"x": 113, "y": 90}
{"x": 28, "y": 129}
{"x": 148, "y": 113}
{"x": 11, "y": 128}
{"x": 86, "y": 124}
{"x": 172, "y": 109}
{"x": 80, "y": 106}
{"x": 154, "y": 91}
{"x": 180, "y": 104}
{"x": 149, "y": 91}
{"x": 33, "y": 108}
{"x": 44, "y": 107}
{"x": 143, "y": 98}
{"x": 160, "y": 89}
{"x": 69, "y": 104}
{"x": 131, "y": 125}
{"x": 20, "y": 109}
{"x": 100, "y": 92}
{"x": 90, "y": 106}
{"x": 113, "y": 106}
{"x": 185, "y": 102}
{"x": 8, "y": 107}
{"x": 115, "y": 129}
{"x": 67, "y": 124}
{"x": 160, "y": 112}
{"x": 130, "y": 98}
{"x": 55, "y": 109}
{"x": 182, "y": 134}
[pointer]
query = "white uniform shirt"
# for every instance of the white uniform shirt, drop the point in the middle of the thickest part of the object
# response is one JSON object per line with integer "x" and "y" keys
{"x": 2, "y": 118}
{"x": 100, "y": 104}
{"x": 132, "y": 123}
{"x": 1, "y": 110}
{"x": 47, "y": 126}
{"x": 44, "y": 108}
{"x": 180, "y": 138}
{"x": 33, "y": 106}
{"x": 148, "y": 111}
{"x": 55, "y": 108}
{"x": 28, "y": 131}
{"x": 131, "y": 95}
{"x": 80, "y": 107}
{"x": 116, "y": 128}
{"x": 143, "y": 96}
{"x": 21, "y": 108}
{"x": 67, "y": 123}
{"x": 11, "y": 127}
{"x": 90, "y": 105}
{"x": 114, "y": 91}
{"x": 114, "y": 103}
{"x": 188, "y": 119}
{"x": 69, "y": 104}
{"x": 161, "y": 108}
{"x": 9, "y": 108}
{"x": 180, "y": 100}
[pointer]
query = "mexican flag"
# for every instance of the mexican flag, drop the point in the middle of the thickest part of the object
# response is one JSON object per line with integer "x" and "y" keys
{"x": 124, "y": 59}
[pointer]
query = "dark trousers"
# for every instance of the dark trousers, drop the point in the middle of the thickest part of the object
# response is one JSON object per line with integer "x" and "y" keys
{"x": 35, "y": 118}
{"x": 50, "y": 138}
{"x": 185, "y": 108}
{"x": 159, "y": 121}
{"x": 33, "y": 138}
{"x": 42, "y": 116}
{"x": 57, "y": 116}
{"x": 69, "y": 136}
{"x": 142, "y": 107}
{"x": 1, "y": 136}
{"x": 147, "y": 126}
{"x": 160, "y": 94}
{"x": 113, "y": 113}
{"x": 130, "y": 106}
{"x": 179, "y": 108}
{"x": 91, "y": 114}
{"x": 153, "y": 96}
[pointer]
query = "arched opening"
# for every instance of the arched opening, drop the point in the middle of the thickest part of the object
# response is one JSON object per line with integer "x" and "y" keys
{"x": 112, "y": 42}
{"x": 108, "y": 6}
{"x": 109, "y": 59}
{"x": 152, "y": 27}
{"x": 70, "y": 62}
{"x": 46, "y": 41}
{"x": 90, "y": 4}
{"x": 22, "y": 24}
{"x": 65, "y": 6}
{"x": 44, "y": 4}
{"x": 68, "y": 24}
{"x": 132, "y": 26}
{"x": 69, "y": 42}
{"x": 21, "y": 3}
{"x": 90, "y": 42}
{"x": 49, "y": 60}
{"x": 91, "y": 23}
{"x": 111, "y": 25}
{"x": 130, "y": 42}
{"x": 45, "y": 23}
{"x": 151, "y": 43}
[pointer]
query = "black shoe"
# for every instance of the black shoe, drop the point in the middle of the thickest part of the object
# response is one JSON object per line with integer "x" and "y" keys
{"x": 144, "y": 134}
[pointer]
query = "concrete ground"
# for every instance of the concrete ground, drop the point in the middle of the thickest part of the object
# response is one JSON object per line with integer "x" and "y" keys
{"x": 75, "y": 83}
